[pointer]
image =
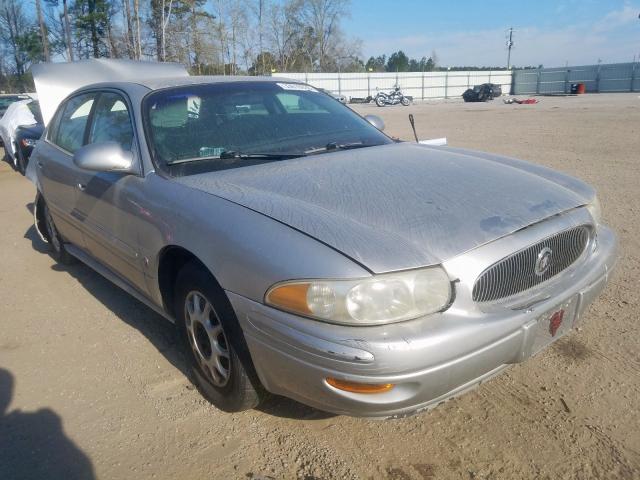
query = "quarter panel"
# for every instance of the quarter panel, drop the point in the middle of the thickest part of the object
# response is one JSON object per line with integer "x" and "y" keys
{"x": 57, "y": 178}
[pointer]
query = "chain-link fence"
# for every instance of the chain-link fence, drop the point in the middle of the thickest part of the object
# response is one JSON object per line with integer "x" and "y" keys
{"x": 615, "y": 77}
{"x": 419, "y": 85}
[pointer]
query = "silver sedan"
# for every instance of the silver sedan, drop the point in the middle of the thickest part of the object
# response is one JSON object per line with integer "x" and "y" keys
{"x": 303, "y": 252}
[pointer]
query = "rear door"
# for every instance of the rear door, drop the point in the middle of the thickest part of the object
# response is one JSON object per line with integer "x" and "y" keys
{"x": 58, "y": 173}
{"x": 106, "y": 200}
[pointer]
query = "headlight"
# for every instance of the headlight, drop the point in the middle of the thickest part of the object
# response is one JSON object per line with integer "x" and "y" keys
{"x": 386, "y": 298}
{"x": 595, "y": 210}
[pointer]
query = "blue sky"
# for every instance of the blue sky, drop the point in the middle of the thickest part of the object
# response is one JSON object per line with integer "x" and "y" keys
{"x": 474, "y": 32}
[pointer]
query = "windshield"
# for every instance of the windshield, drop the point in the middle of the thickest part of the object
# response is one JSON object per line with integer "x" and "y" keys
{"x": 210, "y": 127}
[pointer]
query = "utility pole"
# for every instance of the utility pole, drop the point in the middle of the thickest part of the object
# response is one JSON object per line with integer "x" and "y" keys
{"x": 509, "y": 46}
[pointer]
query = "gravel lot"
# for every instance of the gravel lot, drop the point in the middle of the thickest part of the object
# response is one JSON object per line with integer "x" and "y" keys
{"x": 95, "y": 387}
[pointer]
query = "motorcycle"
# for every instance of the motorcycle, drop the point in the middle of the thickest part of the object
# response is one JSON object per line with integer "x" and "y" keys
{"x": 392, "y": 98}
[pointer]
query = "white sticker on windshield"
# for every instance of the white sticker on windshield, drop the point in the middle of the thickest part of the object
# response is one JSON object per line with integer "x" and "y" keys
{"x": 210, "y": 151}
{"x": 296, "y": 86}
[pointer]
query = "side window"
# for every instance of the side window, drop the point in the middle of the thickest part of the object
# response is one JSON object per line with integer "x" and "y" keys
{"x": 70, "y": 127}
{"x": 111, "y": 121}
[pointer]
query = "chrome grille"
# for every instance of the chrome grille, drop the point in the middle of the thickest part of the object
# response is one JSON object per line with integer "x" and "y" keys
{"x": 517, "y": 272}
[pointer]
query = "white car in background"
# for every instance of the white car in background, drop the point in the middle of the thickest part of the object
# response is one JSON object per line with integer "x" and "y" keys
{"x": 23, "y": 112}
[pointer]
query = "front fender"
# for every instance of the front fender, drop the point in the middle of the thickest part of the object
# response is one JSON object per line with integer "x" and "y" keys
{"x": 246, "y": 251}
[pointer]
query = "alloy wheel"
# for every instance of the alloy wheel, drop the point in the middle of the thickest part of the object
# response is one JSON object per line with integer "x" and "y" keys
{"x": 207, "y": 339}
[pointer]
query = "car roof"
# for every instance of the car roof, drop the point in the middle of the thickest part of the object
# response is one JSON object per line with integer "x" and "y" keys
{"x": 159, "y": 83}
{"x": 55, "y": 81}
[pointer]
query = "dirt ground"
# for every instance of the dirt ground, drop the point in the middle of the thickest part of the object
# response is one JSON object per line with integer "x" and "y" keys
{"x": 95, "y": 386}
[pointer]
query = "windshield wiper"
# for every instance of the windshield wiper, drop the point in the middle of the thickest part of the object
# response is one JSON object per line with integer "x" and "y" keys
{"x": 233, "y": 154}
{"x": 266, "y": 156}
{"x": 340, "y": 146}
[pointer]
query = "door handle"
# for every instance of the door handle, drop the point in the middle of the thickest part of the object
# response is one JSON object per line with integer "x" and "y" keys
{"x": 82, "y": 187}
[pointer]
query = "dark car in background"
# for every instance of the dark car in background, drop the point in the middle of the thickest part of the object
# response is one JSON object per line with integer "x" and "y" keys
{"x": 482, "y": 93}
{"x": 26, "y": 138}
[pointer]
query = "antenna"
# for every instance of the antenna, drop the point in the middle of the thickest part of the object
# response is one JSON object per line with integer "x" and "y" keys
{"x": 413, "y": 127}
{"x": 509, "y": 46}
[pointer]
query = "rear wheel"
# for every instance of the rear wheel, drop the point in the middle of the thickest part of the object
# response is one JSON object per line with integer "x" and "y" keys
{"x": 220, "y": 363}
{"x": 56, "y": 244}
{"x": 405, "y": 101}
{"x": 22, "y": 162}
{"x": 380, "y": 101}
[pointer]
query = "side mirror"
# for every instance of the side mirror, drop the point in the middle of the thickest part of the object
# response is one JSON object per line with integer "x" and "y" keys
{"x": 104, "y": 157}
{"x": 376, "y": 121}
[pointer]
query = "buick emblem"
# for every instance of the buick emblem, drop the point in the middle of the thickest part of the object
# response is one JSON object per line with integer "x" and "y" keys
{"x": 543, "y": 262}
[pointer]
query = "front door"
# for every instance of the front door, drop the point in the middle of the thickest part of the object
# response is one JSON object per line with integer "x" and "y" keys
{"x": 106, "y": 202}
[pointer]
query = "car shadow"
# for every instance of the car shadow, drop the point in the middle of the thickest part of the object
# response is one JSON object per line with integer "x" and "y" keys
{"x": 34, "y": 445}
{"x": 161, "y": 333}
{"x": 284, "y": 407}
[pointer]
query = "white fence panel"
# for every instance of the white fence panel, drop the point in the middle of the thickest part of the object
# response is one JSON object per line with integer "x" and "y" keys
{"x": 419, "y": 85}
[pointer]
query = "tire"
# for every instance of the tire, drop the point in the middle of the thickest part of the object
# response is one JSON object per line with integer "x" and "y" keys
{"x": 380, "y": 101}
{"x": 405, "y": 101}
{"x": 56, "y": 244}
{"x": 22, "y": 163}
{"x": 219, "y": 360}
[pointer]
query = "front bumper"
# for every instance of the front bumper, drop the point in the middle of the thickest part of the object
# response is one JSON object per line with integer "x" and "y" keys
{"x": 428, "y": 359}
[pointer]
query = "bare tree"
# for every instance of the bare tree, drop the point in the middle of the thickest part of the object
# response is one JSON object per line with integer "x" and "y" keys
{"x": 434, "y": 59}
{"x": 44, "y": 36}
{"x": 136, "y": 14}
{"x": 13, "y": 21}
{"x": 284, "y": 32}
{"x": 67, "y": 30}
{"x": 113, "y": 38}
{"x": 322, "y": 17}
{"x": 130, "y": 42}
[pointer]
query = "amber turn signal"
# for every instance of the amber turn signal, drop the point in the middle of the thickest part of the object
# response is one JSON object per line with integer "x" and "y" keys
{"x": 356, "y": 387}
{"x": 291, "y": 297}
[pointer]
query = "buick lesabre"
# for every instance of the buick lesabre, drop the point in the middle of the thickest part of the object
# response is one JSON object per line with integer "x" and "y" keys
{"x": 303, "y": 252}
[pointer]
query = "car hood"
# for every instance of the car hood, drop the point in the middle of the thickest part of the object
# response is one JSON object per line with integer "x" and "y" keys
{"x": 30, "y": 131}
{"x": 399, "y": 206}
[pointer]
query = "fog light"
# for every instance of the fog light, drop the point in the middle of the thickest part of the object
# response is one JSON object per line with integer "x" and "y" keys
{"x": 356, "y": 387}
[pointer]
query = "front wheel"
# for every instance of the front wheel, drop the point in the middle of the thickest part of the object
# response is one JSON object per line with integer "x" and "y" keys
{"x": 405, "y": 101}
{"x": 220, "y": 362}
{"x": 380, "y": 101}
